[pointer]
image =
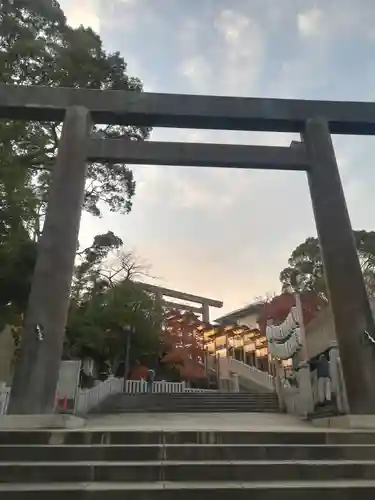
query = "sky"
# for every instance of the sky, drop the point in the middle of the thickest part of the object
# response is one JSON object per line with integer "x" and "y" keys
{"x": 223, "y": 233}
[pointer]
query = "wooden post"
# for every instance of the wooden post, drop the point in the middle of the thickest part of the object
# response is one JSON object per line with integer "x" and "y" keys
{"x": 36, "y": 375}
{"x": 205, "y": 312}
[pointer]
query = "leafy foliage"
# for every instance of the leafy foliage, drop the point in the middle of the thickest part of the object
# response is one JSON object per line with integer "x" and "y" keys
{"x": 37, "y": 47}
{"x": 183, "y": 344}
{"x": 98, "y": 327}
{"x": 306, "y": 272}
{"x": 88, "y": 274}
{"x": 17, "y": 250}
{"x": 107, "y": 305}
{"x": 17, "y": 260}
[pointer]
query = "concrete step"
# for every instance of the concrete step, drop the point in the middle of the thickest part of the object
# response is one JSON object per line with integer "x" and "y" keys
{"x": 94, "y": 464}
{"x": 324, "y": 412}
{"x": 198, "y": 399}
{"x": 199, "y": 395}
{"x": 193, "y": 399}
{"x": 183, "y": 452}
{"x": 142, "y": 437}
{"x": 206, "y": 404}
{"x": 187, "y": 402}
{"x": 209, "y": 403}
{"x": 277, "y": 490}
{"x": 184, "y": 471}
{"x": 190, "y": 403}
{"x": 182, "y": 409}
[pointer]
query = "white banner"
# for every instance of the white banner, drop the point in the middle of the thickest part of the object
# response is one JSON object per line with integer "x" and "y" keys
{"x": 286, "y": 349}
{"x": 283, "y": 331}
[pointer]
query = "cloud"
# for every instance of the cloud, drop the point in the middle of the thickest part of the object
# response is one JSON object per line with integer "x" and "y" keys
{"x": 197, "y": 70}
{"x": 337, "y": 19}
{"x": 233, "y": 25}
{"x": 228, "y": 65}
{"x": 243, "y": 51}
{"x": 189, "y": 33}
{"x": 310, "y": 22}
{"x": 85, "y": 12}
{"x": 228, "y": 233}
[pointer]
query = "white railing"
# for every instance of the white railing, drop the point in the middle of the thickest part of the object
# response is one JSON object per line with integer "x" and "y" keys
{"x": 89, "y": 398}
{"x": 159, "y": 387}
{"x": 168, "y": 387}
{"x": 4, "y": 399}
{"x": 142, "y": 386}
{"x": 251, "y": 373}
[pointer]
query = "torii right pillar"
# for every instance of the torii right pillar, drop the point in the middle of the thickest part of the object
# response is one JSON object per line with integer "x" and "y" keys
{"x": 346, "y": 290}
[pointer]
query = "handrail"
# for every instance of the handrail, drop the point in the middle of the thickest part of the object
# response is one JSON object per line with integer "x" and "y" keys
{"x": 261, "y": 378}
{"x": 89, "y": 398}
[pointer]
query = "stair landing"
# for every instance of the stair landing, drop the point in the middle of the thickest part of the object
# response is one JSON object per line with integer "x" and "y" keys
{"x": 200, "y": 422}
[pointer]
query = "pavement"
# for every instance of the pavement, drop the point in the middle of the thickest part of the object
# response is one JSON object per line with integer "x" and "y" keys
{"x": 199, "y": 422}
{"x": 180, "y": 422}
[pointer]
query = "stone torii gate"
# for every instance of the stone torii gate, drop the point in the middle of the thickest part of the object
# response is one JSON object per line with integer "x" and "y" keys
{"x": 35, "y": 379}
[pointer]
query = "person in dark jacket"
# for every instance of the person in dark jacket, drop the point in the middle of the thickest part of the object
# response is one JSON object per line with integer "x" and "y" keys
{"x": 150, "y": 379}
{"x": 324, "y": 380}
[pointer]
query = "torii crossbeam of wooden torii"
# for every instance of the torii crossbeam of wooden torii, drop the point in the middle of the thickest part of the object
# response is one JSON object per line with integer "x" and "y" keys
{"x": 205, "y": 303}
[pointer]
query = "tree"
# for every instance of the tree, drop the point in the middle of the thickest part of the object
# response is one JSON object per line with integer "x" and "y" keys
{"x": 183, "y": 344}
{"x": 37, "y": 47}
{"x": 306, "y": 272}
{"x": 17, "y": 260}
{"x": 17, "y": 249}
{"x": 107, "y": 305}
{"x": 104, "y": 264}
{"x": 98, "y": 327}
{"x": 124, "y": 265}
{"x": 279, "y": 307}
{"x": 88, "y": 273}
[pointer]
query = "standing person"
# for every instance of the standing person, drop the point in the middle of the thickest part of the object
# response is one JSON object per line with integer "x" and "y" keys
{"x": 324, "y": 380}
{"x": 150, "y": 379}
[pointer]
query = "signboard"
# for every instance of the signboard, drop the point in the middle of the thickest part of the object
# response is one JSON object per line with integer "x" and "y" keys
{"x": 68, "y": 379}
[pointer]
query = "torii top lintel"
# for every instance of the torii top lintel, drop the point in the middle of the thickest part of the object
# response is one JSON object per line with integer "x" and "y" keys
{"x": 185, "y": 111}
{"x": 180, "y": 295}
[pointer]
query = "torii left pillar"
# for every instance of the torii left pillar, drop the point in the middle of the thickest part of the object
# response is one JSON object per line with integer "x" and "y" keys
{"x": 36, "y": 375}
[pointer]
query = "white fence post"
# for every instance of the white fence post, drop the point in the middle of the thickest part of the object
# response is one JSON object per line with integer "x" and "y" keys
{"x": 159, "y": 387}
{"x": 4, "y": 399}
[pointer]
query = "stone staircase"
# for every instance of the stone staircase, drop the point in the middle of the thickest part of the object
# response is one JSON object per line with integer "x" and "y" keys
{"x": 159, "y": 465}
{"x": 190, "y": 402}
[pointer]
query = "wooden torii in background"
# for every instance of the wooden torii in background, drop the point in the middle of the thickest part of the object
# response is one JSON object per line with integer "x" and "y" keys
{"x": 204, "y": 303}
